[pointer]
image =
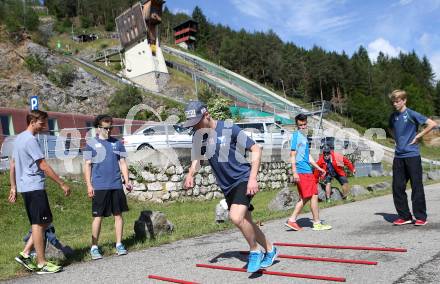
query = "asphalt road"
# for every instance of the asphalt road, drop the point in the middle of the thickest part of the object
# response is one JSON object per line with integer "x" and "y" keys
{"x": 364, "y": 223}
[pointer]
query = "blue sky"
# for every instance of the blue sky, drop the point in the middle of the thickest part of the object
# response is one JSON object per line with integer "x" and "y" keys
{"x": 389, "y": 26}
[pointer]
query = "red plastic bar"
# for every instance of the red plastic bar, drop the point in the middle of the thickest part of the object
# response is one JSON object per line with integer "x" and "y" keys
{"x": 341, "y": 247}
{"x": 172, "y": 280}
{"x": 339, "y": 260}
{"x": 277, "y": 273}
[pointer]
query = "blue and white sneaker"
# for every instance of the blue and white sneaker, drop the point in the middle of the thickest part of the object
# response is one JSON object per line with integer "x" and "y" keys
{"x": 94, "y": 252}
{"x": 269, "y": 257}
{"x": 254, "y": 263}
{"x": 120, "y": 250}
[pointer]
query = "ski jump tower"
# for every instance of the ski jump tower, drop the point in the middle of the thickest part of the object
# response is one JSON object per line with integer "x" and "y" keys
{"x": 138, "y": 29}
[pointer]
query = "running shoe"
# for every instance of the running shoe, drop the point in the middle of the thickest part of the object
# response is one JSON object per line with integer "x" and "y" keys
{"x": 27, "y": 262}
{"x": 293, "y": 225}
{"x": 94, "y": 252}
{"x": 420, "y": 223}
{"x": 400, "y": 222}
{"x": 254, "y": 263}
{"x": 120, "y": 250}
{"x": 269, "y": 257}
{"x": 321, "y": 227}
{"x": 49, "y": 267}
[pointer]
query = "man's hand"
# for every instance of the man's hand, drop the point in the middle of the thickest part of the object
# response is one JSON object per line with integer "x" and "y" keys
{"x": 90, "y": 191}
{"x": 189, "y": 182}
{"x": 415, "y": 141}
{"x": 252, "y": 187}
{"x": 295, "y": 177}
{"x": 129, "y": 186}
{"x": 66, "y": 189}
{"x": 12, "y": 195}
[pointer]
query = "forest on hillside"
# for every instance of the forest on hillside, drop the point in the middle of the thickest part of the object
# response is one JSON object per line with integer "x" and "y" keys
{"x": 357, "y": 86}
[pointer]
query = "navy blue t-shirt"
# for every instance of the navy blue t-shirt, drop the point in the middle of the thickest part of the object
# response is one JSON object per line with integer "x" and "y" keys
{"x": 225, "y": 151}
{"x": 105, "y": 155}
{"x": 405, "y": 126}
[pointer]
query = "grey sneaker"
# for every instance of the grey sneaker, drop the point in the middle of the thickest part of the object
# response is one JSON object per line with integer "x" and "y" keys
{"x": 120, "y": 250}
{"x": 94, "y": 252}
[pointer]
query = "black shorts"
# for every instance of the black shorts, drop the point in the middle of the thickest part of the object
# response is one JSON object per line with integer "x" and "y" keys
{"x": 108, "y": 202}
{"x": 37, "y": 207}
{"x": 237, "y": 195}
{"x": 341, "y": 179}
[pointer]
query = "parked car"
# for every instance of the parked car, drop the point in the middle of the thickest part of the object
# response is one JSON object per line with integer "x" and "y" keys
{"x": 158, "y": 136}
{"x": 268, "y": 134}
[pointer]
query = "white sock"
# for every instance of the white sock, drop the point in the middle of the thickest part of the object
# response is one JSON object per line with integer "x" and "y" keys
{"x": 255, "y": 251}
{"x": 292, "y": 220}
{"x": 316, "y": 223}
{"x": 94, "y": 247}
{"x": 118, "y": 244}
{"x": 270, "y": 251}
{"x": 25, "y": 255}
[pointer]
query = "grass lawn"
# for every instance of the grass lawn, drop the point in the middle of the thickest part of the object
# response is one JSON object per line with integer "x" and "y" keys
{"x": 72, "y": 220}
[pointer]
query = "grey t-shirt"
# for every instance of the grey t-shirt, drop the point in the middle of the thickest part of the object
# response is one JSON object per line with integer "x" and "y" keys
{"x": 26, "y": 153}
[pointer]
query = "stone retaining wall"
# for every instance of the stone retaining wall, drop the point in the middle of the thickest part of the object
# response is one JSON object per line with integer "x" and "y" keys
{"x": 158, "y": 184}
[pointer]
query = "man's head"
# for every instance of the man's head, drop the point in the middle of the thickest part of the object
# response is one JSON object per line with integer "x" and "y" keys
{"x": 36, "y": 120}
{"x": 197, "y": 115}
{"x": 104, "y": 123}
{"x": 398, "y": 99}
{"x": 301, "y": 121}
{"x": 326, "y": 150}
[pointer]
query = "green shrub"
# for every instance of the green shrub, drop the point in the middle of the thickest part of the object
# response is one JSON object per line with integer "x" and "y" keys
{"x": 110, "y": 26}
{"x": 62, "y": 75}
{"x": 219, "y": 107}
{"x": 116, "y": 67}
{"x": 36, "y": 64}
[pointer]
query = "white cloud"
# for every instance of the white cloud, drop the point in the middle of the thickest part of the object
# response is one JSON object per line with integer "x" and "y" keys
{"x": 303, "y": 17}
{"x": 255, "y": 9}
{"x": 381, "y": 44}
{"x": 183, "y": 11}
{"x": 405, "y": 2}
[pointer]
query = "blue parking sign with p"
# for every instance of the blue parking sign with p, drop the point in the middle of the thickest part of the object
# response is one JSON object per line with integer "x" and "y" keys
{"x": 34, "y": 103}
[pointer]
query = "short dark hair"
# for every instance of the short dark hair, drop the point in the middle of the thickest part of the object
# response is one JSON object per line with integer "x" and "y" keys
{"x": 35, "y": 115}
{"x": 102, "y": 118}
{"x": 300, "y": 117}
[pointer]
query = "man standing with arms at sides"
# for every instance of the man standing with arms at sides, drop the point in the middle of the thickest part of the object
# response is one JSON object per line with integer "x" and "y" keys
{"x": 224, "y": 145}
{"x": 104, "y": 158}
{"x": 303, "y": 176}
{"x": 407, "y": 164}
{"x": 28, "y": 170}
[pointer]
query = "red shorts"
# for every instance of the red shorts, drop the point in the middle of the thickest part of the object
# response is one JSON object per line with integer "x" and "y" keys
{"x": 307, "y": 185}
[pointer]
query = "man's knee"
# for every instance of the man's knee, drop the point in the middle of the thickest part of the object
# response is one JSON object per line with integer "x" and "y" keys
{"x": 237, "y": 214}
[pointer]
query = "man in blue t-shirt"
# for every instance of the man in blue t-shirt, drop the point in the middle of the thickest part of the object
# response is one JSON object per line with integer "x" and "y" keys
{"x": 302, "y": 162}
{"x": 407, "y": 164}
{"x": 224, "y": 145}
{"x": 28, "y": 171}
{"x": 104, "y": 158}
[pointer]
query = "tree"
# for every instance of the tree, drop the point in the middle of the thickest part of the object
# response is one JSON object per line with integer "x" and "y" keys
{"x": 219, "y": 108}
{"x": 123, "y": 100}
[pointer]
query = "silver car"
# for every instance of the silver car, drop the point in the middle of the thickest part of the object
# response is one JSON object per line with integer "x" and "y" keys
{"x": 158, "y": 136}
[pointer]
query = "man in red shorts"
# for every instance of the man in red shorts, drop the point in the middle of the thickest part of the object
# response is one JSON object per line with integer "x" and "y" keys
{"x": 303, "y": 176}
